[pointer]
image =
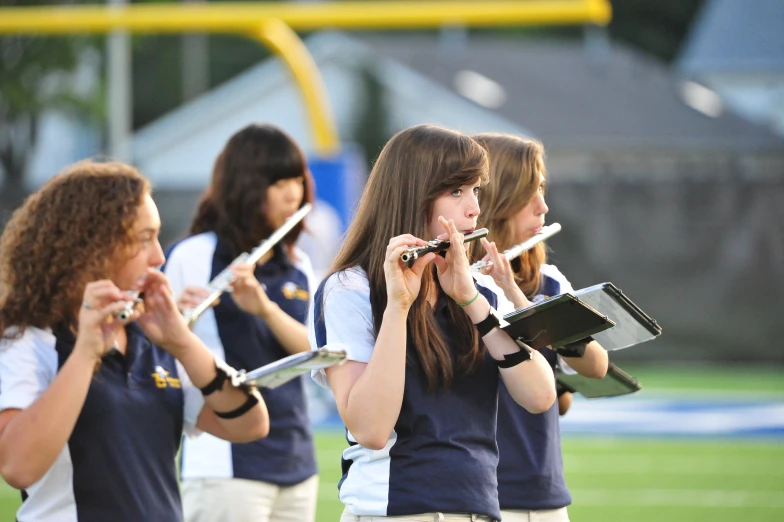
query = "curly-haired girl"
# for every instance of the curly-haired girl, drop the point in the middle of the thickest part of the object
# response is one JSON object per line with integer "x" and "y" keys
{"x": 92, "y": 407}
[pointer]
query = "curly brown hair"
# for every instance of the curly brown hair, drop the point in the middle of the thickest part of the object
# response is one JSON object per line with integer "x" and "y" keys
{"x": 70, "y": 232}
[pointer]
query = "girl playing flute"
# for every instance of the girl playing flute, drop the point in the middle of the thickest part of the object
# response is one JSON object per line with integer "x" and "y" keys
{"x": 418, "y": 394}
{"x": 530, "y": 472}
{"x": 92, "y": 408}
{"x": 259, "y": 180}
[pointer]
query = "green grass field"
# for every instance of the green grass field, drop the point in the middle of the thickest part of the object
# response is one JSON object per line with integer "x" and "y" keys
{"x": 642, "y": 480}
{"x": 620, "y": 479}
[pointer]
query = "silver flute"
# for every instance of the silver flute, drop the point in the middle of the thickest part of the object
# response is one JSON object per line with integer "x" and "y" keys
{"x": 437, "y": 245}
{"x": 223, "y": 280}
{"x": 127, "y": 311}
{"x": 515, "y": 251}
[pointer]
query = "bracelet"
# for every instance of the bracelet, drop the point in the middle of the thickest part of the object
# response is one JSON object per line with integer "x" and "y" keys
{"x": 469, "y": 302}
{"x": 253, "y": 400}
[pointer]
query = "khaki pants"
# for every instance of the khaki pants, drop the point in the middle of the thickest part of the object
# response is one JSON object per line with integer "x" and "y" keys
{"x": 239, "y": 500}
{"x": 424, "y": 517}
{"x": 542, "y": 515}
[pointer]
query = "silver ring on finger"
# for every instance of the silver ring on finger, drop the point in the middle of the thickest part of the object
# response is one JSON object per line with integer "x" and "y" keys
{"x": 86, "y": 306}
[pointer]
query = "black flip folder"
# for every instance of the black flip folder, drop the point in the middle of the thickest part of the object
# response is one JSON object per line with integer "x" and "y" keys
{"x": 283, "y": 370}
{"x": 556, "y": 321}
{"x": 632, "y": 325}
{"x": 616, "y": 382}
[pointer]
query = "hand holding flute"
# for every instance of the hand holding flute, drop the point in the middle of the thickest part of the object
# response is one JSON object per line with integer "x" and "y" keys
{"x": 223, "y": 281}
{"x": 517, "y": 250}
{"x": 127, "y": 311}
{"x": 501, "y": 271}
{"x": 245, "y": 289}
{"x": 98, "y": 319}
{"x": 410, "y": 255}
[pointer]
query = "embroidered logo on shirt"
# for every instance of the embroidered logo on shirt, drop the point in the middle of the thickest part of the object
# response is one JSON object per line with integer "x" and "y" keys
{"x": 292, "y": 291}
{"x": 163, "y": 379}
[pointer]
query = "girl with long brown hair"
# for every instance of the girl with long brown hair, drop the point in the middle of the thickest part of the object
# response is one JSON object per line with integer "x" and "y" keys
{"x": 418, "y": 394}
{"x": 260, "y": 178}
{"x": 530, "y": 471}
{"x": 92, "y": 407}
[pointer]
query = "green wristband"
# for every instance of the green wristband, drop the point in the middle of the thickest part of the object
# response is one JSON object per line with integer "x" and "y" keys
{"x": 469, "y": 302}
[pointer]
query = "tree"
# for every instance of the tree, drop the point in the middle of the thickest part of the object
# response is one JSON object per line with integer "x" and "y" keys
{"x": 658, "y": 27}
{"x": 34, "y": 78}
{"x": 371, "y": 124}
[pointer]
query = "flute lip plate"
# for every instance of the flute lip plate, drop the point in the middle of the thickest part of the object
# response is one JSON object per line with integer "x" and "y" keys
{"x": 478, "y": 234}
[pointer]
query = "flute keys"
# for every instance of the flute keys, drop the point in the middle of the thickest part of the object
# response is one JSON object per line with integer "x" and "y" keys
{"x": 127, "y": 312}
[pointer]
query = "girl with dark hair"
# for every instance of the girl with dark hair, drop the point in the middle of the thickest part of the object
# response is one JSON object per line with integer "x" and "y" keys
{"x": 530, "y": 472}
{"x": 259, "y": 180}
{"x": 418, "y": 394}
{"x": 92, "y": 408}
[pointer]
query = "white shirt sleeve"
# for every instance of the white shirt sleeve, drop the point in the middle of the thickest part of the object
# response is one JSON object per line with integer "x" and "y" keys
{"x": 28, "y": 366}
{"x": 553, "y": 272}
{"x": 194, "y": 402}
{"x": 303, "y": 263}
{"x": 343, "y": 319}
{"x": 174, "y": 273}
{"x": 190, "y": 262}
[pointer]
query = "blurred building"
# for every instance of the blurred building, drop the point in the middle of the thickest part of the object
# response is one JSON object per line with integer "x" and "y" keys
{"x": 177, "y": 151}
{"x": 677, "y": 204}
{"x": 736, "y": 49}
{"x": 607, "y": 111}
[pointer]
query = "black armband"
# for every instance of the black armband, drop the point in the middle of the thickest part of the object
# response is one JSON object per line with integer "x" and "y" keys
{"x": 253, "y": 400}
{"x": 223, "y": 373}
{"x": 575, "y": 349}
{"x": 486, "y": 325}
{"x": 513, "y": 359}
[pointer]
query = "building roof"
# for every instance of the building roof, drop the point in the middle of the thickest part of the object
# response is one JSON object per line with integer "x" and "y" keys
{"x": 179, "y": 148}
{"x": 570, "y": 96}
{"x": 736, "y": 36}
{"x": 561, "y": 92}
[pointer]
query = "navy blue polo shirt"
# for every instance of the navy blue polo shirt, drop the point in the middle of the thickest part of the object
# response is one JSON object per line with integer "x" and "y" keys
{"x": 442, "y": 455}
{"x": 286, "y": 456}
{"x": 530, "y": 469}
{"x": 119, "y": 462}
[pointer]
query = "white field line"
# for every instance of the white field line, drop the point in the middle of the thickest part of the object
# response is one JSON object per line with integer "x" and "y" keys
{"x": 657, "y": 417}
{"x": 710, "y": 393}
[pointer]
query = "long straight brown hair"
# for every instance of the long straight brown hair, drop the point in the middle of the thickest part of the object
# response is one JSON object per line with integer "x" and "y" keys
{"x": 515, "y": 164}
{"x": 414, "y": 168}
